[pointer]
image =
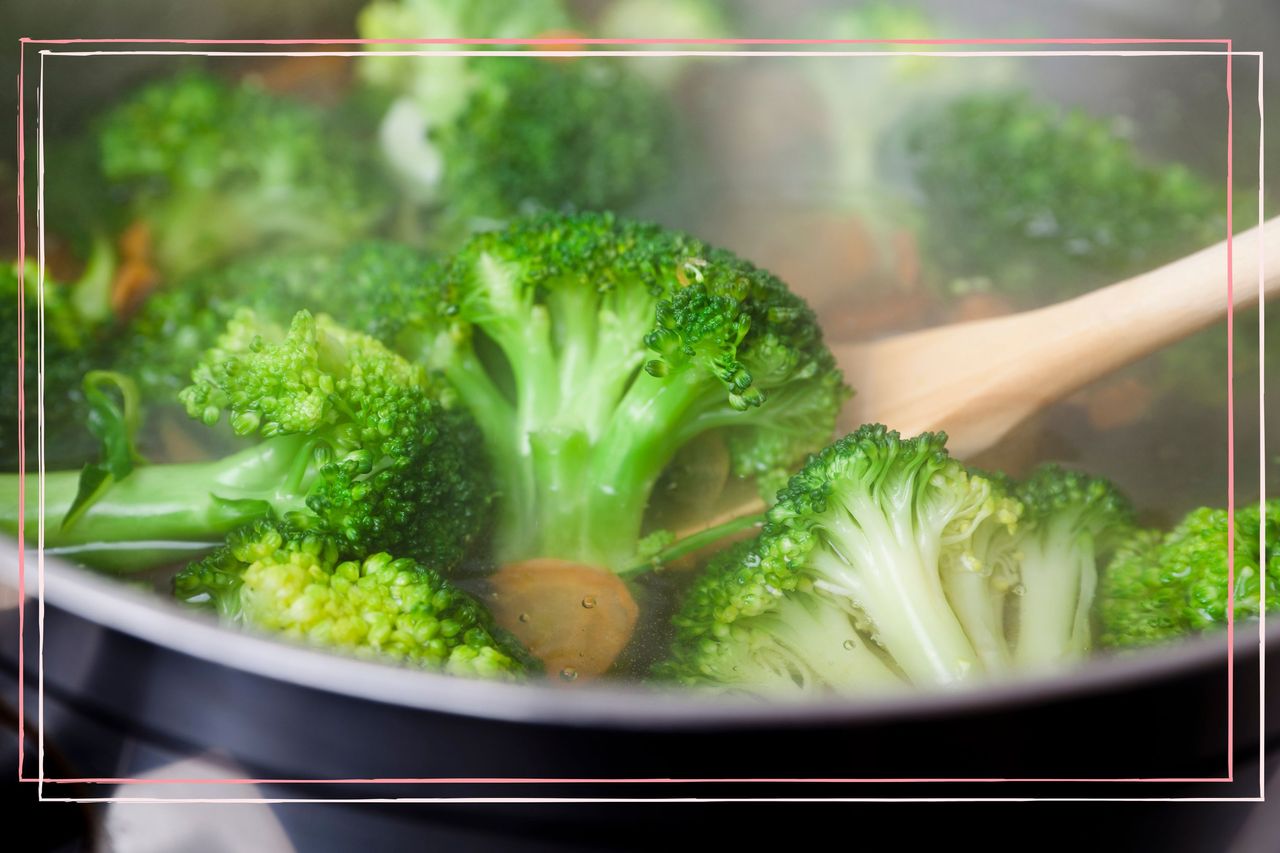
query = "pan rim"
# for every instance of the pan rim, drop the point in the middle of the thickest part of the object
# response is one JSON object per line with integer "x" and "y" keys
{"x": 108, "y": 603}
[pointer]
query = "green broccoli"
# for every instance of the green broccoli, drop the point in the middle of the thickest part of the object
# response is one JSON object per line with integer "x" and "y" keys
{"x": 350, "y": 439}
{"x": 540, "y": 133}
{"x": 215, "y": 169}
{"x": 484, "y": 138}
{"x": 677, "y": 19}
{"x": 844, "y": 590}
{"x": 75, "y": 320}
{"x": 1044, "y": 203}
{"x": 1161, "y": 587}
{"x": 886, "y": 562}
{"x": 1071, "y": 523}
{"x": 377, "y": 287}
{"x": 591, "y": 350}
{"x": 442, "y": 85}
{"x": 738, "y": 632}
{"x": 303, "y": 585}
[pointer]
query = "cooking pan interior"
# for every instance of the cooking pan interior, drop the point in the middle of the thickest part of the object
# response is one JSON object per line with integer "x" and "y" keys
{"x": 1163, "y": 100}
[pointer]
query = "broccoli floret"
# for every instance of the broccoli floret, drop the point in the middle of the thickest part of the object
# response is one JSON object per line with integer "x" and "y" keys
{"x": 680, "y": 19}
{"x": 483, "y": 138}
{"x": 75, "y": 341}
{"x": 677, "y": 19}
{"x": 845, "y": 589}
{"x": 982, "y": 580}
{"x": 1072, "y": 522}
{"x": 585, "y": 134}
{"x": 1042, "y": 202}
{"x": 215, "y": 169}
{"x": 590, "y": 350}
{"x": 886, "y": 562}
{"x": 442, "y": 85}
{"x": 303, "y": 585}
{"x": 350, "y": 438}
{"x": 737, "y": 632}
{"x": 1162, "y": 587}
{"x": 377, "y": 287}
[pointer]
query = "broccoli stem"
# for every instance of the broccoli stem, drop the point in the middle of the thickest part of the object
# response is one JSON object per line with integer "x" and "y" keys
{"x": 165, "y": 504}
{"x": 980, "y": 606}
{"x": 810, "y": 642}
{"x": 653, "y": 421}
{"x": 576, "y": 483}
{"x": 1059, "y": 575}
{"x": 587, "y": 435}
{"x": 695, "y": 542}
{"x": 879, "y": 563}
{"x": 91, "y": 294}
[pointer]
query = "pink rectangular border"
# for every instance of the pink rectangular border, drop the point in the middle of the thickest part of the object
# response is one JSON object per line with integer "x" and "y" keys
{"x": 1227, "y": 43}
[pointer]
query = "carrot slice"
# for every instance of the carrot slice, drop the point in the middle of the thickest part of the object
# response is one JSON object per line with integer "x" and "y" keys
{"x": 324, "y": 79}
{"x": 576, "y": 619}
{"x": 557, "y": 45}
{"x": 135, "y": 276}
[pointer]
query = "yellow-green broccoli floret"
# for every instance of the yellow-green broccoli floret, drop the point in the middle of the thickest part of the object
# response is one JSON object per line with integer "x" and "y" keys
{"x": 305, "y": 586}
{"x": 377, "y": 287}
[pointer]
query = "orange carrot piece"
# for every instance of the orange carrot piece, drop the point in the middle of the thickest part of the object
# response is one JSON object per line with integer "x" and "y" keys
{"x": 320, "y": 78}
{"x": 136, "y": 276}
{"x": 576, "y": 619}
{"x": 557, "y": 45}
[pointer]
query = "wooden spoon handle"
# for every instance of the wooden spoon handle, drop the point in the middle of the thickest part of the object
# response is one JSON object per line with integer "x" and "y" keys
{"x": 978, "y": 380}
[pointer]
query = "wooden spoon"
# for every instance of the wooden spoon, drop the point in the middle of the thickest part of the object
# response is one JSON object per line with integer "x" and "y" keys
{"x": 978, "y": 380}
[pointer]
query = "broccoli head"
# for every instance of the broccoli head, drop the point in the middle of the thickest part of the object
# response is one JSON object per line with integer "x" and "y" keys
{"x": 590, "y": 350}
{"x": 845, "y": 590}
{"x": 442, "y": 85}
{"x": 738, "y": 633}
{"x": 547, "y": 134}
{"x": 348, "y": 438}
{"x": 1160, "y": 587}
{"x": 1043, "y": 202}
{"x": 885, "y": 562}
{"x": 305, "y": 586}
{"x": 215, "y": 169}
{"x": 377, "y": 287}
{"x": 483, "y": 138}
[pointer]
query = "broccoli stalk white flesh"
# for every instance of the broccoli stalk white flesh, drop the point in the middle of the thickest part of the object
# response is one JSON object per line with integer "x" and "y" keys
{"x": 807, "y": 645}
{"x": 1059, "y": 575}
{"x": 883, "y": 553}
